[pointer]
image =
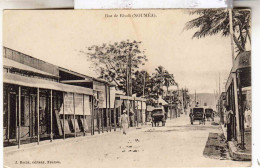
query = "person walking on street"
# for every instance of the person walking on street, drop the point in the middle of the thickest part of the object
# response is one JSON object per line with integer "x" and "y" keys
{"x": 124, "y": 122}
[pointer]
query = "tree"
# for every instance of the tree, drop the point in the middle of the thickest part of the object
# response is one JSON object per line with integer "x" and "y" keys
{"x": 169, "y": 80}
{"x": 161, "y": 78}
{"x": 140, "y": 81}
{"x": 214, "y": 21}
{"x": 111, "y": 60}
{"x": 158, "y": 78}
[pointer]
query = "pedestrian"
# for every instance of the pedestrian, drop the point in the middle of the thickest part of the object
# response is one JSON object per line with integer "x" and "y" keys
{"x": 132, "y": 117}
{"x": 248, "y": 117}
{"x": 124, "y": 122}
{"x": 197, "y": 104}
{"x": 191, "y": 116}
{"x": 229, "y": 118}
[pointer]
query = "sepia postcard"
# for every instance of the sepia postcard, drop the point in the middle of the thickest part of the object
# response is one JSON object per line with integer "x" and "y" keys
{"x": 127, "y": 88}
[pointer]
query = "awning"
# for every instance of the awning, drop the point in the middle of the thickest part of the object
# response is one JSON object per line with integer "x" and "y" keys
{"x": 150, "y": 108}
{"x": 140, "y": 99}
{"x": 243, "y": 60}
{"x": 118, "y": 103}
{"x": 123, "y": 97}
{"x": 161, "y": 101}
{"x": 44, "y": 84}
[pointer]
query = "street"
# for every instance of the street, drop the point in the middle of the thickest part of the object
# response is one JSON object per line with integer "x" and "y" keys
{"x": 178, "y": 144}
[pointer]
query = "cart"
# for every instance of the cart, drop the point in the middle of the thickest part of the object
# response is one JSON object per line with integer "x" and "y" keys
{"x": 209, "y": 114}
{"x": 197, "y": 113}
{"x": 158, "y": 115}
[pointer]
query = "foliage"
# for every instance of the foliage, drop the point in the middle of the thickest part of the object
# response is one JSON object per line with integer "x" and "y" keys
{"x": 214, "y": 21}
{"x": 161, "y": 78}
{"x": 111, "y": 60}
{"x": 140, "y": 81}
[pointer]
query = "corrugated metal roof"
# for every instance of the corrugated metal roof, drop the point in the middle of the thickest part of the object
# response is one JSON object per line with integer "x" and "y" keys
{"x": 13, "y": 64}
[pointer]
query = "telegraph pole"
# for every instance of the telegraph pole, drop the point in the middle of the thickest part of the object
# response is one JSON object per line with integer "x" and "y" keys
{"x": 219, "y": 84}
{"x": 144, "y": 83}
{"x": 195, "y": 98}
{"x": 130, "y": 75}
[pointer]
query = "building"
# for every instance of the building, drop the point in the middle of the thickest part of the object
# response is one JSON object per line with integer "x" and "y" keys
{"x": 238, "y": 94}
{"x": 44, "y": 101}
{"x": 135, "y": 107}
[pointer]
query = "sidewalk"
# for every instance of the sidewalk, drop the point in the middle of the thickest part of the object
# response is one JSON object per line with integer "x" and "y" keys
{"x": 235, "y": 153}
{"x": 11, "y": 149}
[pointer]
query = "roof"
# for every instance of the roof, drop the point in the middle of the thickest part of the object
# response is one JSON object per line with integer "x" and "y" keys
{"x": 123, "y": 97}
{"x": 84, "y": 76}
{"x": 243, "y": 60}
{"x": 163, "y": 102}
{"x": 149, "y": 108}
{"x": 140, "y": 99}
{"x": 44, "y": 84}
{"x": 8, "y": 63}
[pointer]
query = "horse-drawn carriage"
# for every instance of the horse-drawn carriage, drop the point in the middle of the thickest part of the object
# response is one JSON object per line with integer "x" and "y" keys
{"x": 158, "y": 115}
{"x": 197, "y": 113}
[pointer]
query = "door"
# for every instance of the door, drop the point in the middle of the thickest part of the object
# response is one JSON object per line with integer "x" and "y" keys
{"x": 13, "y": 106}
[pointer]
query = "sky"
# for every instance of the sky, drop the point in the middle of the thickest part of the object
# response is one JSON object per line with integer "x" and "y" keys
{"x": 57, "y": 36}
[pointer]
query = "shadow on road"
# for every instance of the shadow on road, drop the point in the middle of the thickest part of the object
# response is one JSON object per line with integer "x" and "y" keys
{"x": 216, "y": 147}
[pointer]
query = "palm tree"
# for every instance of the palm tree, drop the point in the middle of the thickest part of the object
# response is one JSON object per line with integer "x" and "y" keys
{"x": 162, "y": 78}
{"x": 158, "y": 77}
{"x": 169, "y": 80}
{"x": 214, "y": 21}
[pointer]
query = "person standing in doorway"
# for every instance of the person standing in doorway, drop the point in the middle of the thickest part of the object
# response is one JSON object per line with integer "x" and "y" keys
{"x": 132, "y": 117}
{"x": 229, "y": 116}
{"x": 124, "y": 122}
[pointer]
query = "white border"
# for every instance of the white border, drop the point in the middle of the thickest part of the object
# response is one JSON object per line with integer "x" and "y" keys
{"x": 255, "y": 5}
{"x": 138, "y": 4}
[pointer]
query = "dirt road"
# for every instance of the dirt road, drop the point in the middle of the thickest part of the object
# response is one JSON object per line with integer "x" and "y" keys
{"x": 178, "y": 144}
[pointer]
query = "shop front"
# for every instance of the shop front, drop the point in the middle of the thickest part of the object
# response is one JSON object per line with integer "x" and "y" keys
{"x": 238, "y": 95}
{"x": 36, "y": 109}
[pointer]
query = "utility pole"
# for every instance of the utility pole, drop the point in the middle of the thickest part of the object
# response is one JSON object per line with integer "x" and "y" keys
{"x": 231, "y": 34}
{"x": 183, "y": 101}
{"x": 127, "y": 76}
{"x": 144, "y": 83}
{"x": 237, "y": 113}
{"x": 195, "y": 98}
{"x": 130, "y": 74}
{"x": 219, "y": 91}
